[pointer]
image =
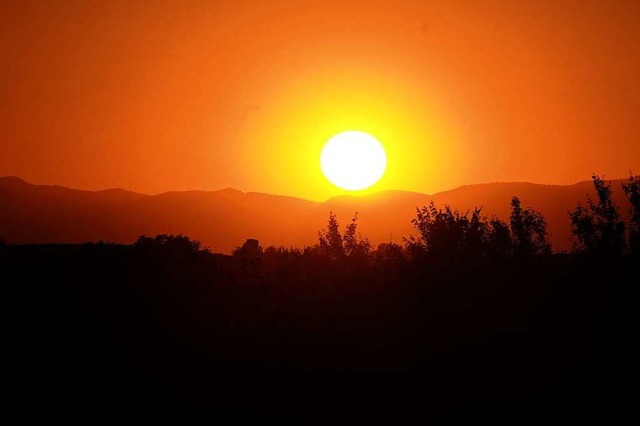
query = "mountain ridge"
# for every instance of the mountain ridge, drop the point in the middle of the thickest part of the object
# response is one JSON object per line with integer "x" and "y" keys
{"x": 19, "y": 180}
{"x": 224, "y": 218}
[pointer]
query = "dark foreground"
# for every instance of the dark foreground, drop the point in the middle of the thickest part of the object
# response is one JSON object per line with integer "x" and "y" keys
{"x": 105, "y": 331}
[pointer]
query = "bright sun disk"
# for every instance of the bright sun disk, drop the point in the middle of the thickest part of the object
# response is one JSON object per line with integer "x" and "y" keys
{"x": 353, "y": 160}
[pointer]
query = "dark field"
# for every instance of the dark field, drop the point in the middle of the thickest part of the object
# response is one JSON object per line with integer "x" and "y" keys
{"x": 116, "y": 331}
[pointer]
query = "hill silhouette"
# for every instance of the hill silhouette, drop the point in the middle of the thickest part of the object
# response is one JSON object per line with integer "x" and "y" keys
{"x": 223, "y": 219}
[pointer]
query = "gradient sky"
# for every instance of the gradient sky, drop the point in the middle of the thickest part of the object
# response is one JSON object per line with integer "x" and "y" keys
{"x": 174, "y": 95}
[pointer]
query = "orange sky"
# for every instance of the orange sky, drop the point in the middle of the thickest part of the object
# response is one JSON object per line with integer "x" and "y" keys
{"x": 158, "y": 96}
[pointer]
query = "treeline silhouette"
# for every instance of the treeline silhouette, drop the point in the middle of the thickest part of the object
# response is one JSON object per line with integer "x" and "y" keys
{"x": 471, "y": 317}
{"x": 448, "y": 236}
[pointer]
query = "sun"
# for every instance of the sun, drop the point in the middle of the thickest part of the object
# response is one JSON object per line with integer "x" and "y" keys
{"x": 353, "y": 160}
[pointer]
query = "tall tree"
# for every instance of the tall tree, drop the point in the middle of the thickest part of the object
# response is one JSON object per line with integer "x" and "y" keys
{"x": 354, "y": 244}
{"x": 498, "y": 238}
{"x": 632, "y": 191}
{"x": 331, "y": 239}
{"x": 597, "y": 228}
{"x": 528, "y": 231}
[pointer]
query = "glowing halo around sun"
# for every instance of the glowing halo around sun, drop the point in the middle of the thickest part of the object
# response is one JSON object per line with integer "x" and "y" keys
{"x": 353, "y": 160}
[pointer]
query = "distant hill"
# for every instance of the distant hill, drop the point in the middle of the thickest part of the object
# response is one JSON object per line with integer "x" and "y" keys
{"x": 223, "y": 219}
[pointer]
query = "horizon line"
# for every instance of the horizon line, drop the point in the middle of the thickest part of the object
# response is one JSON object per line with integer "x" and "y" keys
{"x": 354, "y": 194}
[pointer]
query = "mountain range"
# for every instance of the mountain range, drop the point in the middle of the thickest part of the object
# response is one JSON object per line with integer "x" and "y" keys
{"x": 224, "y": 219}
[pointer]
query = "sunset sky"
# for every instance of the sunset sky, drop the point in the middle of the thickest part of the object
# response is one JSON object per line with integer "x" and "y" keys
{"x": 177, "y": 95}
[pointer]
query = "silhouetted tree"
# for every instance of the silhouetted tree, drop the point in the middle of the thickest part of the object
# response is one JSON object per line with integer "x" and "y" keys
{"x": 475, "y": 233}
{"x": 249, "y": 259}
{"x": 173, "y": 245}
{"x": 250, "y": 248}
{"x": 597, "y": 228}
{"x": 389, "y": 257}
{"x": 528, "y": 231}
{"x": 331, "y": 239}
{"x": 448, "y": 234}
{"x": 498, "y": 237}
{"x": 167, "y": 262}
{"x": 632, "y": 191}
{"x": 339, "y": 247}
{"x": 356, "y": 247}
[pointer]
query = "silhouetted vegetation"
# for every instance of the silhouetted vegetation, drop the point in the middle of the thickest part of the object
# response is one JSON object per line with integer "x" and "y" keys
{"x": 598, "y": 228}
{"x": 446, "y": 235}
{"x": 529, "y": 231}
{"x": 167, "y": 246}
{"x": 349, "y": 249}
{"x": 471, "y": 316}
{"x": 632, "y": 191}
